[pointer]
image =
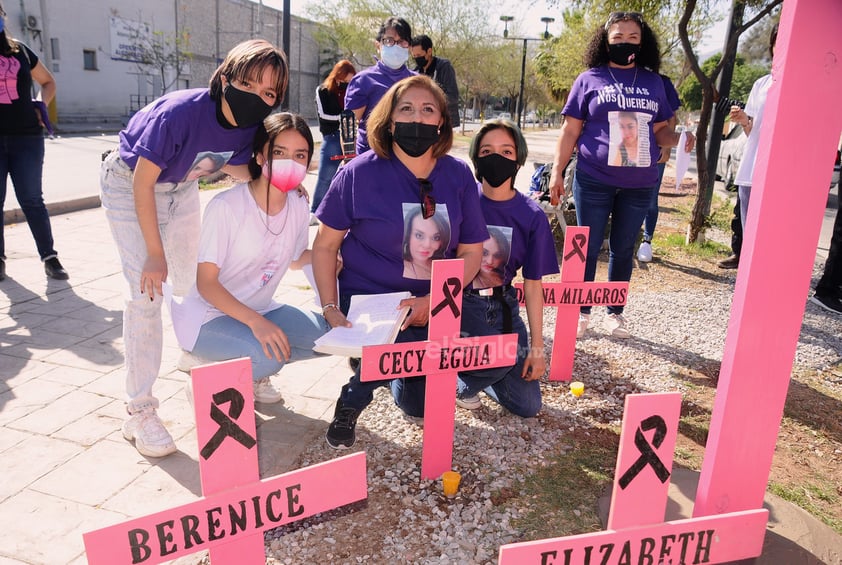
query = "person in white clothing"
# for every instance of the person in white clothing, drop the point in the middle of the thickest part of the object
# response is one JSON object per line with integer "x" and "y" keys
{"x": 751, "y": 119}
{"x": 251, "y": 234}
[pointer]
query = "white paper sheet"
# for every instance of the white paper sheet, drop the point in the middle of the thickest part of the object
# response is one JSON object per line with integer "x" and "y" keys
{"x": 682, "y": 160}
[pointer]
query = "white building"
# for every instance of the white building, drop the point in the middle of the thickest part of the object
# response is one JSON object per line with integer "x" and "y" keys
{"x": 93, "y": 47}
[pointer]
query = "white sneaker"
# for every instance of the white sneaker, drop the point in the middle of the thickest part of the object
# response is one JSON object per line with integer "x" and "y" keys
{"x": 644, "y": 252}
{"x": 469, "y": 402}
{"x": 265, "y": 391}
{"x": 147, "y": 431}
{"x": 616, "y": 324}
{"x": 187, "y": 361}
{"x": 584, "y": 322}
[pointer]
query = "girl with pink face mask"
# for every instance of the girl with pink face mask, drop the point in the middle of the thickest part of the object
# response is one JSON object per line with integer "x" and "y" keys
{"x": 251, "y": 234}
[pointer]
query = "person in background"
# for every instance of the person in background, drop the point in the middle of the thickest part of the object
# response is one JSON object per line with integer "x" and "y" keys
{"x": 251, "y": 234}
{"x": 440, "y": 70}
{"x": 828, "y": 293}
{"x": 369, "y": 85}
{"x": 330, "y": 102}
{"x": 524, "y": 243}
{"x": 22, "y": 145}
{"x": 363, "y": 216}
{"x": 623, "y": 61}
{"x": 752, "y": 120}
{"x": 644, "y": 252}
{"x": 733, "y": 260}
{"x": 154, "y": 216}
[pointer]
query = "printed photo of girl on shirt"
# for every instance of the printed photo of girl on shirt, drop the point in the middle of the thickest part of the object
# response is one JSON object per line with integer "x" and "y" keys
{"x": 495, "y": 254}
{"x": 207, "y": 163}
{"x": 423, "y": 240}
{"x": 626, "y": 148}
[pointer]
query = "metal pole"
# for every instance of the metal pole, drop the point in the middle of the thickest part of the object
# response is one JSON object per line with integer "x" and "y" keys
{"x": 522, "y": 78}
{"x": 285, "y": 103}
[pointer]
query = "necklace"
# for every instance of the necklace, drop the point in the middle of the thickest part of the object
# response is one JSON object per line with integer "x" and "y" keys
{"x": 617, "y": 83}
{"x": 266, "y": 221}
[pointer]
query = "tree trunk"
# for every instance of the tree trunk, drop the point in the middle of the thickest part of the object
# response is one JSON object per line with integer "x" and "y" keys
{"x": 698, "y": 221}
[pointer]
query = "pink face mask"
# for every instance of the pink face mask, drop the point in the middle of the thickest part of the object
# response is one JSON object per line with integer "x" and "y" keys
{"x": 286, "y": 174}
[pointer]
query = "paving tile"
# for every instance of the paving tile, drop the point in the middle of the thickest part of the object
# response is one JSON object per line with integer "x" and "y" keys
{"x": 60, "y": 413}
{"x": 29, "y": 396}
{"x": 112, "y": 385}
{"x": 42, "y": 529}
{"x": 9, "y": 438}
{"x": 107, "y": 461}
{"x": 171, "y": 481}
{"x": 17, "y": 370}
{"x": 89, "y": 429}
{"x": 73, "y": 376}
{"x": 85, "y": 357}
{"x": 33, "y": 459}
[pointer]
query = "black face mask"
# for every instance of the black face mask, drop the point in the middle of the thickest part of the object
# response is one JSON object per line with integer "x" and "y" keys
{"x": 415, "y": 138}
{"x": 420, "y": 62}
{"x": 623, "y": 53}
{"x": 248, "y": 109}
{"x": 496, "y": 169}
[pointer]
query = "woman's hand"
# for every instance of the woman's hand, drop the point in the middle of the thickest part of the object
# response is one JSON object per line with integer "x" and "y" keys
{"x": 335, "y": 318}
{"x": 153, "y": 274}
{"x": 302, "y": 191}
{"x": 534, "y": 365}
{"x": 272, "y": 338}
{"x": 689, "y": 142}
{"x": 419, "y": 311}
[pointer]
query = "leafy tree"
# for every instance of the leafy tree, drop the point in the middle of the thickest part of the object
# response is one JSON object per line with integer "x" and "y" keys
{"x": 164, "y": 55}
{"x": 754, "y": 12}
{"x": 741, "y": 83}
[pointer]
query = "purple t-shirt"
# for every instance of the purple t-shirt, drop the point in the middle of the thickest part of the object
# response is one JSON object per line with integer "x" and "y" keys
{"x": 617, "y": 145}
{"x": 366, "y": 89}
{"x": 378, "y": 202}
{"x": 528, "y": 241}
{"x": 179, "y": 133}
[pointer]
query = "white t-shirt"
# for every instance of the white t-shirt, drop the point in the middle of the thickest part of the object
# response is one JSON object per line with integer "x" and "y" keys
{"x": 251, "y": 258}
{"x": 754, "y": 108}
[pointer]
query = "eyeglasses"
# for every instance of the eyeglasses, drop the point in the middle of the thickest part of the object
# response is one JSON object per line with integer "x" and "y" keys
{"x": 428, "y": 203}
{"x": 615, "y": 17}
{"x": 391, "y": 41}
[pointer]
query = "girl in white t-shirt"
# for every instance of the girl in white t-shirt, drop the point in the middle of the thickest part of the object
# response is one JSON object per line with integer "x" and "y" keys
{"x": 251, "y": 234}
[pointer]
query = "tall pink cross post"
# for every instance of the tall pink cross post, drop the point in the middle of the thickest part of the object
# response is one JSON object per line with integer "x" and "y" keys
{"x": 793, "y": 161}
{"x": 569, "y": 295}
{"x": 440, "y": 357}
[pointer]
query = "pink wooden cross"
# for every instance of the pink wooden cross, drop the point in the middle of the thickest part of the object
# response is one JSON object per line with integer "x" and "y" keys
{"x": 636, "y": 531}
{"x": 440, "y": 357}
{"x": 571, "y": 293}
{"x": 237, "y": 507}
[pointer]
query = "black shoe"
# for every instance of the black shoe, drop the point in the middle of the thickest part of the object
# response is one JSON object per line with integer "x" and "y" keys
{"x": 2, "y": 269}
{"x": 829, "y": 303}
{"x": 54, "y": 269}
{"x": 341, "y": 433}
{"x": 731, "y": 262}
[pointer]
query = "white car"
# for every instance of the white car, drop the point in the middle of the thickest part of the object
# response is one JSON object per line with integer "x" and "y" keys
{"x": 730, "y": 154}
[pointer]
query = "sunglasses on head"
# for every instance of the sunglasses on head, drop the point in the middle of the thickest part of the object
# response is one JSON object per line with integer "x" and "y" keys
{"x": 428, "y": 203}
{"x": 615, "y": 17}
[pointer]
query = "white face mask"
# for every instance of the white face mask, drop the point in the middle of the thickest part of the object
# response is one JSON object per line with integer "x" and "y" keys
{"x": 286, "y": 174}
{"x": 394, "y": 57}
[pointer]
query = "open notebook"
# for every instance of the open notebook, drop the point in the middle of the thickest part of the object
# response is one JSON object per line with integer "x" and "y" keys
{"x": 375, "y": 320}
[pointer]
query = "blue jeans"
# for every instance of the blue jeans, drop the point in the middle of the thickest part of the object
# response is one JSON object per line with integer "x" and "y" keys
{"x": 408, "y": 393}
{"x": 22, "y": 159}
{"x": 331, "y": 147}
{"x": 482, "y": 316}
{"x": 626, "y": 207}
{"x": 652, "y": 215}
{"x": 225, "y": 338}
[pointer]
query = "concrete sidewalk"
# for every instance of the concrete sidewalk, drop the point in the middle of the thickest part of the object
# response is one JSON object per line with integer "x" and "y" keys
{"x": 67, "y": 469}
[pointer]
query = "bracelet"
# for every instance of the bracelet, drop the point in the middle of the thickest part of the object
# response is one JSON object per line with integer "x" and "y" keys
{"x": 327, "y": 306}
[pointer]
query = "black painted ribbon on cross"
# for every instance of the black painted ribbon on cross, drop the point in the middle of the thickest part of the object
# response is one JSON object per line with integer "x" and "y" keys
{"x": 455, "y": 288}
{"x": 227, "y": 426}
{"x": 647, "y": 454}
{"x": 578, "y": 242}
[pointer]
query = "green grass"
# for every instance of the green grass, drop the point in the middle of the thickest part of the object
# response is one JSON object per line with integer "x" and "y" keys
{"x": 811, "y": 498}
{"x": 561, "y": 498}
{"x": 664, "y": 242}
